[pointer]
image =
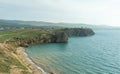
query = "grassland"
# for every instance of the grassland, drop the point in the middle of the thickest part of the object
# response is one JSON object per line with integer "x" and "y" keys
{"x": 21, "y": 33}
{"x": 6, "y": 62}
{"x": 9, "y": 61}
{"x": 8, "y": 53}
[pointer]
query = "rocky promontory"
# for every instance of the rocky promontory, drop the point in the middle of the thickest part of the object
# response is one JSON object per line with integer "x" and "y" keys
{"x": 50, "y": 36}
{"x": 78, "y": 31}
{"x": 13, "y": 60}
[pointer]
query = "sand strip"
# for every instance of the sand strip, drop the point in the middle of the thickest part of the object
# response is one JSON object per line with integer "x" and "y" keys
{"x": 26, "y": 60}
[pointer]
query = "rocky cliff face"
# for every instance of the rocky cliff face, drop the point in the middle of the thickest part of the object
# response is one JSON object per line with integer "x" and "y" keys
{"x": 12, "y": 58}
{"x": 55, "y": 36}
{"x": 78, "y": 31}
{"x": 61, "y": 37}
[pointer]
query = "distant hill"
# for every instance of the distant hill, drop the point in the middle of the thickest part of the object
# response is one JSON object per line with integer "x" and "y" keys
{"x": 42, "y": 24}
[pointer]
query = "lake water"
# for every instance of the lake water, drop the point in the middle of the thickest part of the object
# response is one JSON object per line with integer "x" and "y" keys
{"x": 98, "y": 54}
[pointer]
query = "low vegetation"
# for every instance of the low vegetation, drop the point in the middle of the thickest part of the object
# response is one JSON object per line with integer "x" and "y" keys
{"x": 8, "y": 62}
{"x": 26, "y": 37}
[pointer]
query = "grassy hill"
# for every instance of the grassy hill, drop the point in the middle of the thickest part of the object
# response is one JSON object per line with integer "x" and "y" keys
{"x": 8, "y": 35}
{"x": 10, "y": 63}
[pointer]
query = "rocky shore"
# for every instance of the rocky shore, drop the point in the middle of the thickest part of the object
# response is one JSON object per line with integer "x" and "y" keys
{"x": 51, "y": 36}
{"x": 14, "y": 40}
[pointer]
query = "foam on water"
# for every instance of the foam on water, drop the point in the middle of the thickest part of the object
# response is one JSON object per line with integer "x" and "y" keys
{"x": 38, "y": 67}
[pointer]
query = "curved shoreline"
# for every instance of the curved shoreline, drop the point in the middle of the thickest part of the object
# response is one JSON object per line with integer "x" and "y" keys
{"x": 13, "y": 43}
{"x": 23, "y": 59}
{"x": 30, "y": 61}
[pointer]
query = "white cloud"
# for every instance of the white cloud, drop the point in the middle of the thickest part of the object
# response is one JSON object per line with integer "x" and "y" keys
{"x": 83, "y": 11}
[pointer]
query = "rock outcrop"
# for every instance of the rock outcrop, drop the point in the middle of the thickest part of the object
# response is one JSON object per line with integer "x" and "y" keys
{"x": 61, "y": 37}
{"x": 13, "y": 60}
{"x": 78, "y": 31}
{"x": 55, "y": 36}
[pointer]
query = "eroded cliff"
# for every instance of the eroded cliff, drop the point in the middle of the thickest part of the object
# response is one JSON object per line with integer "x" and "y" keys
{"x": 49, "y": 36}
{"x": 12, "y": 60}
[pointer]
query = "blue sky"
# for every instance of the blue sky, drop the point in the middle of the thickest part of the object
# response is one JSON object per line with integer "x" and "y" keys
{"x": 72, "y": 11}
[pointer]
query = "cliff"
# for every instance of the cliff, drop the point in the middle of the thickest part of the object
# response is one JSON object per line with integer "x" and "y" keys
{"x": 12, "y": 59}
{"x": 78, "y": 31}
{"x": 49, "y": 36}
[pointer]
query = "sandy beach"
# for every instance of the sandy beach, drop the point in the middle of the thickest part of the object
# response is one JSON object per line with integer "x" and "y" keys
{"x": 26, "y": 60}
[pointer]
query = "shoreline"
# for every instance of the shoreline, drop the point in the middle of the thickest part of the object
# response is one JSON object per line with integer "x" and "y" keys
{"x": 13, "y": 43}
{"x": 28, "y": 62}
{"x": 31, "y": 61}
{"x": 23, "y": 58}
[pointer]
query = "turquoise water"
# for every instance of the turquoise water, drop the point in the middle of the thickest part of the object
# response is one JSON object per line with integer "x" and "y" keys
{"x": 98, "y": 54}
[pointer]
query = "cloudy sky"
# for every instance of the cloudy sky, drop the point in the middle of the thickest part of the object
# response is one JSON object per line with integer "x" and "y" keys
{"x": 72, "y": 11}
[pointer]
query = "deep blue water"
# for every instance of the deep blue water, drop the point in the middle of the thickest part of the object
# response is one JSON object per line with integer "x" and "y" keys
{"x": 98, "y": 54}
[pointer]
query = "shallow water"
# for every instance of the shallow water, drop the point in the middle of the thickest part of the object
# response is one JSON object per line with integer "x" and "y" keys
{"x": 98, "y": 54}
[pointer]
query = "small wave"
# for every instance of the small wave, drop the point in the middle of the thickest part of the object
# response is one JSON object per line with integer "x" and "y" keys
{"x": 27, "y": 57}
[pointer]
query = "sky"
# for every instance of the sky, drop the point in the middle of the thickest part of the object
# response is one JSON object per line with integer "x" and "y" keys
{"x": 99, "y": 12}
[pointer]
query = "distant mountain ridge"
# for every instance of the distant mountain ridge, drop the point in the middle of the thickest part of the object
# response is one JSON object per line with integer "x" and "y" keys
{"x": 20, "y": 23}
